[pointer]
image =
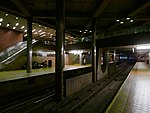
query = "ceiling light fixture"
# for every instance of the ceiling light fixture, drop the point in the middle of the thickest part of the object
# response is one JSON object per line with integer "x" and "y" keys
{"x": 117, "y": 20}
{"x": 35, "y": 33}
{"x": 80, "y": 31}
{"x": 90, "y": 31}
{"x": 8, "y": 25}
{"x": 131, "y": 20}
{"x": 0, "y": 24}
{"x": 121, "y": 22}
{"x": 143, "y": 46}
{"x": 14, "y": 27}
{"x": 1, "y": 19}
{"x": 16, "y": 18}
{"x": 25, "y": 30}
{"x": 86, "y": 30}
{"x": 25, "y": 35}
{"x": 22, "y": 27}
{"x": 33, "y": 30}
{"x": 39, "y": 30}
{"x": 42, "y": 33}
{"x": 127, "y": 18}
{"x": 17, "y": 24}
{"x": 6, "y": 14}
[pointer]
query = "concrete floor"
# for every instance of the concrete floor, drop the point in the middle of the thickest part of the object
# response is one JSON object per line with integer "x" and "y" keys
{"x": 134, "y": 95}
{"x": 18, "y": 74}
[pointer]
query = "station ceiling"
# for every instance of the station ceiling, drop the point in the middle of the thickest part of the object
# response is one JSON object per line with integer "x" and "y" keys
{"x": 111, "y": 15}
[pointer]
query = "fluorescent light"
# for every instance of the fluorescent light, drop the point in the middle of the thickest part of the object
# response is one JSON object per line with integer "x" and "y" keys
{"x": 121, "y": 22}
{"x": 35, "y": 33}
{"x": 16, "y": 18}
{"x": 22, "y": 27}
{"x": 127, "y": 18}
{"x": 86, "y": 30}
{"x": 66, "y": 37}
{"x": 90, "y": 31}
{"x": 6, "y": 14}
{"x": 14, "y": 27}
{"x": 117, "y": 20}
{"x": 33, "y": 30}
{"x": 8, "y": 25}
{"x": 39, "y": 30}
{"x": 42, "y": 33}
{"x": 17, "y": 24}
{"x": 25, "y": 35}
{"x": 25, "y": 30}
{"x": 133, "y": 50}
{"x": 80, "y": 31}
{"x": 1, "y": 19}
{"x": 143, "y": 46}
{"x": 131, "y": 20}
{"x": 76, "y": 51}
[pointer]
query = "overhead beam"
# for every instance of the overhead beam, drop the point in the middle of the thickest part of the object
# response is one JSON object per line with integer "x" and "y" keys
{"x": 52, "y": 17}
{"x": 98, "y": 12}
{"x": 139, "y": 9}
{"x": 135, "y": 12}
{"x": 133, "y": 39}
{"x": 21, "y": 7}
{"x": 101, "y": 8}
{"x": 11, "y": 11}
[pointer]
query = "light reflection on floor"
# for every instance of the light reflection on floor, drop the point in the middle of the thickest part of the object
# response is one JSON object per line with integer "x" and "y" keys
{"x": 134, "y": 95}
{"x": 17, "y": 74}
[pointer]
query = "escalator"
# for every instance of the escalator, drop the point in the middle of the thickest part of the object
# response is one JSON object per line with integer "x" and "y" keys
{"x": 12, "y": 53}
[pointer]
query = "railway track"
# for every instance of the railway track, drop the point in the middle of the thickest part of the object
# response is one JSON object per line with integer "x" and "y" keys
{"x": 14, "y": 104}
{"x": 42, "y": 101}
{"x": 99, "y": 94}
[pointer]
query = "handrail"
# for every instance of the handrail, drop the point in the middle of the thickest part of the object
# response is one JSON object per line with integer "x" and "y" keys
{"x": 135, "y": 30}
{"x": 12, "y": 51}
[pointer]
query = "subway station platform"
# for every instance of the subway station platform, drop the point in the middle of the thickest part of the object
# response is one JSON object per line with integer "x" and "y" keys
{"x": 19, "y": 74}
{"x": 134, "y": 94}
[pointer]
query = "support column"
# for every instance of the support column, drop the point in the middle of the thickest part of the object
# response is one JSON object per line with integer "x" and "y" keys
{"x": 115, "y": 57}
{"x": 149, "y": 58}
{"x": 60, "y": 24}
{"x": 29, "y": 45}
{"x": 94, "y": 77}
{"x": 80, "y": 59}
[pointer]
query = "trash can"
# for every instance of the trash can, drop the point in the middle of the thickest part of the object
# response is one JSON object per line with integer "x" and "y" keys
{"x": 49, "y": 63}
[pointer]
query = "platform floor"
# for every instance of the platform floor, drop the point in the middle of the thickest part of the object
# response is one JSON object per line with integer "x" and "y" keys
{"x": 134, "y": 94}
{"x": 18, "y": 74}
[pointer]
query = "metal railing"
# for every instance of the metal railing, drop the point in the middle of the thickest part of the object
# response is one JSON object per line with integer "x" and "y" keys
{"x": 128, "y": 31}
{"x": 7, "y": 54}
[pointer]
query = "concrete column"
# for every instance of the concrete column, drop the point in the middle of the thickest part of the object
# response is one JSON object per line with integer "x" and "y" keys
{"x": 115, "y": 57}
{"x": 94, "y": 77}
{"x": 60, "y": 24}
{"x": 149, "y": 58}
{"x": 29, "y": 45}
{"x": 80, "y": 59}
